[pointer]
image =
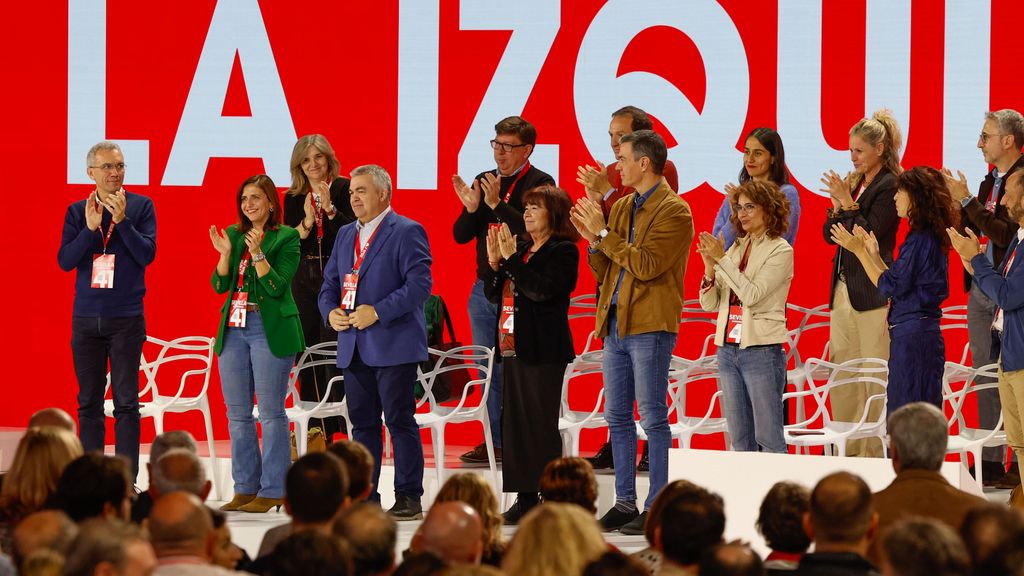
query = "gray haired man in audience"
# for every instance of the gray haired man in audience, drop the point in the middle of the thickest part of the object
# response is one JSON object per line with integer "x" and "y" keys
{"x": 923, "y": 547}
{"x": 162, "y": 443}
{"x": 106, "y": 547}
{"x": 183, "y": 537}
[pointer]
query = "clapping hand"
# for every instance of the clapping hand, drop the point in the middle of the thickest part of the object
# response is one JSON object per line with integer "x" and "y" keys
{"x": 506, "y": 241}
{"x": 594, "y": 180}
{"x": 843, "y": 237}
{"x": 711, "y": 247}
{"x": 93, "y": 211}
{"x": 253, "y": 238}
{"x": 491, "y": 185}
{"x": 493, "y": 248}
{"x": 967, "y": 247}
{"x": 470, "y": 197}
{"x": 588, "y": 218}
{"x": 220, "y": 241}
{"x": 838, "y": 188}
{"x": 957, "y": 186}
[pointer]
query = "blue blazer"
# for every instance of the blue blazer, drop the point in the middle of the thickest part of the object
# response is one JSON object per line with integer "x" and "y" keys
{"x": 395, "y": 279}
{"x": 1008, "y": 293}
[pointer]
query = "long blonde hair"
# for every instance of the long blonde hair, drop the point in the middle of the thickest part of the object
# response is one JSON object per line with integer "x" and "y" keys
{"x": 880, "y": 128}
{"x": 40, "y": 459}
{"x": 300, "y": 184}
{"x": 475, "y": 491}
{"x": 554, "y": 539}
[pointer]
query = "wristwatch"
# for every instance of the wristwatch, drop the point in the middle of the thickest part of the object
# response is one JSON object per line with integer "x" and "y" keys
{"x": 258, "y": 257}
{"x": 603, "y": 233}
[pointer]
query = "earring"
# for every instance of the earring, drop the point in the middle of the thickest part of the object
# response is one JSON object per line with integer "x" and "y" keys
{"x": 271, "y": 209}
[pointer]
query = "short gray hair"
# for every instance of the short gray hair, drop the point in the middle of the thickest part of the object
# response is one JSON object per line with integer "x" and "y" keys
{"x": 105, "y": 145}
{"x": 919, "y": 434}
{"x": 1010, "y": 123}
{"x": 168, "y": 440}
{"x": 189, "y": 477}
{"x": 100, "y": 540}
{"x": 925, "y": 547}
{"x": 381, "y": 178}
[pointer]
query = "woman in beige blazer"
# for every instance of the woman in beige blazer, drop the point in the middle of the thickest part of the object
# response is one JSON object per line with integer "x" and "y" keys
{"x": 748, "y": 285}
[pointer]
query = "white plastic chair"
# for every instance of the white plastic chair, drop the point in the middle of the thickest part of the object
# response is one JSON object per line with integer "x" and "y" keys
{"x": 967, "y": 439}
{"x": 572, "y": 422}
{"x": 192, "y": 360}
{"x": 955, "y": 318}
{"x": 796, "y": 377}
{"x": 808, "y": 433}
{"x": 686, "y": 427}
{"x": 479, "y": 360}
{"x": 302, "y": 411}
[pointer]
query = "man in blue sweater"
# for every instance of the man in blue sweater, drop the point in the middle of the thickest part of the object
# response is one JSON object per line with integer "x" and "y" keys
{"x": 109, "y": 238}
{"x": 1004, "y": 285}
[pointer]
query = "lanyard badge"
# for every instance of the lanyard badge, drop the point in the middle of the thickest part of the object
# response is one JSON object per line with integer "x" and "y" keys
{"x": 103, "y": 264}
{"x": 240, "y": 298}
{"x": 350, "y": 281}
{"x": 734, "y": 326}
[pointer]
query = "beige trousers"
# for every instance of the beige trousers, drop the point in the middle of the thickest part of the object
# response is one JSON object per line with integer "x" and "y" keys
{"x": 1011, "y": 395}
{"x": 854, "y": 334}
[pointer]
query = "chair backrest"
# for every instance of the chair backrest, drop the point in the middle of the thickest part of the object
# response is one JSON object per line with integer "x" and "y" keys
{"x": 851, "y": 372}
{"x": 954, "y": 319}
{"x": 809, "y": 319}
{"x": 321, "y": 354}
{"x": 479, "y": 360}
{"x": 190, "y": 358}
{"x": 988, "y": 375}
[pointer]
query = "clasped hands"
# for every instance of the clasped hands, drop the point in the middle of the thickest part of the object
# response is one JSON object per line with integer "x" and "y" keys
{"x": 860, "y": 241}
{"x": 595, "y": 180}
{"x": 501, "y": 245}
{"x": 587, "y": 217}
{"x": 115, "y": 204}
{"x": 967, "y": 247}
{"x": 361, "y": 318}
{"x": 490, "y": 184}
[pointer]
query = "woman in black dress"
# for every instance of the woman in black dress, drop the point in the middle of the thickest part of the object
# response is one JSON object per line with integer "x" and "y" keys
{"x": 532, "y": 278}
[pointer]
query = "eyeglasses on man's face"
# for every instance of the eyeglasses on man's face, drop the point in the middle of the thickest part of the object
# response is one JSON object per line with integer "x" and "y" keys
{"x": 505, "y": 146}
{"x": 108, "y": 167}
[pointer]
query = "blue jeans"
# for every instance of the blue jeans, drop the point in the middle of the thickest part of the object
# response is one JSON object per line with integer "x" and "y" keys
{"x": 483, "y": 319}
{"x": 636, "y": 368}
{"x": 248, "y": 366}
{"x": 752, "y": 381}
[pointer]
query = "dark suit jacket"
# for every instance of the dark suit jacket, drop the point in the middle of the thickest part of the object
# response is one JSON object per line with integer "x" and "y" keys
{"x": 395, "y": 279}
{"x": 876, "y": 213}
{"x": 273, "y": 292}
{"x": 998, "y": 227}
{"x": 542, "y": 290}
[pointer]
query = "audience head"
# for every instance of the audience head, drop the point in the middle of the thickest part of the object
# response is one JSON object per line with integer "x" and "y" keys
{"x": 769, "y": 203}
{"x": 179, "y": 469}
{"x": 670, "y": 491}
{"x": 764, "y": 157}
{"x": 42, "y": 563}
{"x": 54, "y": 417}
{"x": 44, "y": 530}
{"x": 733, "y": 559}
{"x": 876, "y": 140}
{"x": 109, "y": 547}
{"x": 470, "y": 570}
{"x": 841, "y": 514}
{"x": 538, "y": 547}
{"x": 924, "y": 200}
{"x": 781, "y": 518}
{"x": 923, "y": 547}
{"x": 615, "y": 563}
{"x": 179, "y": 525}
{"x": 225, "y": 553}
{"x": 986, "y": 527}
{"x": 421, "y": 564}
{"x": 371, "y": 535}
{"x": 691, "y": 523}
{"x": 646, "y": 144}
{"x": 570, "y": 480}
{"x": 167, "y": 441}
{"x": 40, "y": 459}
{"x": 359, "y": 466}
{"x": 474, "y": 490}
{"x": 315, "y": 488}
{"x": 451, "y": 531}
{"x": 1005, "y": 560}
{"x": 311, "y": 553}
{"x": 95, "y": 485}
{"x": 918, "y": 435}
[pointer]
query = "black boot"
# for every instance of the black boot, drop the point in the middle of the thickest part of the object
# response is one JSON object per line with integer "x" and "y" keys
{"x": 645, "y": 459}
{"x": 525, "y": 502}
{"x": 603, "y": 459}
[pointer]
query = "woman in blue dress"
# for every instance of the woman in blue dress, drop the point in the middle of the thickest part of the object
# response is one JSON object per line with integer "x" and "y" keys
{"x": 916, "y": 285}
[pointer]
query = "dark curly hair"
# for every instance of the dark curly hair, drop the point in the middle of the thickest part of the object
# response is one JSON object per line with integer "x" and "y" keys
{"x": 772, "y": 201}
{"x": 931, "y": 206}
{"x": 781, "y": 517}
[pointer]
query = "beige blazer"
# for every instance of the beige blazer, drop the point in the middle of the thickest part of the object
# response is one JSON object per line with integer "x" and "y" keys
{"x": 762, "y": 289}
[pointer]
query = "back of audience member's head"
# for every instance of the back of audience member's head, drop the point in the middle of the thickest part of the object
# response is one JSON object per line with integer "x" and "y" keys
{"x": 179, "y": 470}
{"x": 923, "y": 547}
{"x": 110, "y": 546}
{"x": 670, "y": 491}
{"x": 539, "y": 547}
{"x": 475, "y": 490}
{"x": 570, "y": 480}
{"x": 781, "y": 518}
{"x": 421, "y": 564}
{"x": 470, "y": 570}
{"x": 226, "y": 553}
{"x": 732, "y": 559}
{"x": 316, "y": 487}
{"x": 918, "y": 434}
{"x": 170, "y": 440}
{"x": 372, "y": 536}
{"x": 359, "y": 465}
{"x": 451, "y": 531}
{"x": 53, "y": 417}
{"x": 615, "y": 563}
{"x": 311, "y": 553}
{"x": 40, "y": 459}
{"x": 986, "y": 527}
{"x": 1007, "y": 559}
{"x": 179, "y": 525}
{"x": 94, "y": 485}
{"x": 841, "y": 511}
{"x": 42, "y": 563}
{"x": 44, "y": 530}
{"x": 691, "y": 523}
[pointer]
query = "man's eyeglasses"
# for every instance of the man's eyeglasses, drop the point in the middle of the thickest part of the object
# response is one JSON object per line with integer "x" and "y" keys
{"x": 984, "y": 136}
{"x": 744, "y": 208}
{"x": 108, "y": 167}
{"x": 505, "y": 147}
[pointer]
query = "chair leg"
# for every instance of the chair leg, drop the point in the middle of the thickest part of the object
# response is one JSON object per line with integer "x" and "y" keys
{"x": 437, "y": 438}
{"x": 215, "y": 468}
{"x": 489, "y": 443}
{"x": 301, "y": 436}
{"x": 978, "y": 468}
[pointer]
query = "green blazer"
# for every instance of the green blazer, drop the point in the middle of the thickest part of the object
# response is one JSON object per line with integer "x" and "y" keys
{"x": 273, "y": 292}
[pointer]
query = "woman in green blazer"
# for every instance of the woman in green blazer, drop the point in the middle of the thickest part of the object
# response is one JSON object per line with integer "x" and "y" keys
{"x": 258, "y": 338}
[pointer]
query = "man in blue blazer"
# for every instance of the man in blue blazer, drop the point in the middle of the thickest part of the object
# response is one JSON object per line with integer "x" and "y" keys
{"x": 375, "y": 285}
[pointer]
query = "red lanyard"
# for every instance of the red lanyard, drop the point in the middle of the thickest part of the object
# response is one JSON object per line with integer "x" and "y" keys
{"x": 318, "y": 213}
{"x": 1009, "y": 262}
{"x": 746, "y": 255}
{"x": 106, "y": 237}
{"x": 526, "y": 168}
{"x": 360, "y": 254}
{"x": 243, "y": 265}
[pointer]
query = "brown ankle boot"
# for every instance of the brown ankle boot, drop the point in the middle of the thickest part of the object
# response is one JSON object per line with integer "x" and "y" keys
{"x": 237, "y": 502}
{"x": 1017, "y": 497}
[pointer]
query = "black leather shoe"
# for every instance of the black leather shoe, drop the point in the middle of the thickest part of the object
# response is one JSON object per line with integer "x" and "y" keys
{"x": 406, "y": 508}
{"x": 635, "y": 526}
{"x": 645, "y": 460}
{"x": 614, "y": 519}
{"x": 603, "y": 459}
{"x": 516, "y": 512}
{"x": 993, "y": 472}
{"x": 478, "y": 455}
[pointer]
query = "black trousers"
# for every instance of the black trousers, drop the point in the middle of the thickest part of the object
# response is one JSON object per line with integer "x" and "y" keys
{"x": 95, "y": 341}
{"x": 313, "y": 381}
{"x": 532, "y": 393}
